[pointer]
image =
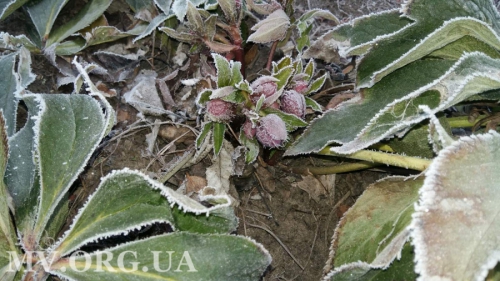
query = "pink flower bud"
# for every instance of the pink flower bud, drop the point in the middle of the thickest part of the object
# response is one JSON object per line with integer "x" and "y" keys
{"x": 301, "y": 86}
{"x": 219, "y": 110}
{"x": 271, "y": 131}
{"x": 265, "y": 85}
{"x": 293, "y": 103}
{"x": 249, "y": 129}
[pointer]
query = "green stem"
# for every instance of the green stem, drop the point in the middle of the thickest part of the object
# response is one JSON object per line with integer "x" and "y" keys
{"x": 419, "y": 164}
{"x": 337, "y": 169}
{"x": 462, "y": 121}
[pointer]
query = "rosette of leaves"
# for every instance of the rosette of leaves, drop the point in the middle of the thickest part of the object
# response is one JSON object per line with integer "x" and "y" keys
{"x": 40, "y": 162}
{"x": 235, "y": 97}
{"x": 87, "y": 28}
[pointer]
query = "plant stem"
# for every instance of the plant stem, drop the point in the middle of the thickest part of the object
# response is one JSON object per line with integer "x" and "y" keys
{"x": 462, "y": 121}
{"x": 271, "y": 55}
{"x": 419, "y": 164}
{"x": 337, "y": 169}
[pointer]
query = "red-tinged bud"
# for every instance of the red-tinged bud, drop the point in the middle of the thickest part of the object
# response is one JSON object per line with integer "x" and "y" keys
{"x": 265, "y": 85}
{"x": 271, "y": 131}
{"x": 293, "y": 103}
{"x": 249, "y": 129}
{"x": 220, "y": 111}
{"x": 301, "y": 86}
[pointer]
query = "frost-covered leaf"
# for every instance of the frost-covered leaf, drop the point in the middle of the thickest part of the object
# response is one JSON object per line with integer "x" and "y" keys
{"x": 8, "y": 238}
{"x": 181, "y": 36}
{"x": 97, "y": 35}
{"x": 157, "y": 21}
{"x": 138, "y": 201}
{"x": 415, "y": 142}
{"x": 87, "y": 15}
{"x": 400, "y": 269}
{"x": 316, "y": 85}
{"x": 272, "y": 28}
{"x": 43, "y": 14}
{"x": 431, "y": 30}
{"x": 194, "y": 19}
{"x": 304, "y": 25}
{"x": 144, "y": 96}
{"x": 8, "y": 96}
{"x": 439, "y": 136}
{"x": 375, "y": 229}
{"x": 224, "y": 74}
{"x": 175, "y": 256}
{"x": 206, "y": 128}
{"x": 180, "y": 7}
{"x": 8, "y": 41}
{"x": 20, "y": 177}
{"x": 68, "y": 130}
{"x": 26, "y": 77}
{"x": 7, "y": 7}
{"x": 218, "y": 135}
{"x": 284, "y": 75}
{"x": 455, "y": 226}
{"x": 252, "y": 148}
{"x": 392, "y": 104}
{"x": 220, "y": 171}
{"x": 164, "y": 5}
{"x": 313, "y": 105}
{"x": 292, "y": 122}
{"x": 362, "y": 32}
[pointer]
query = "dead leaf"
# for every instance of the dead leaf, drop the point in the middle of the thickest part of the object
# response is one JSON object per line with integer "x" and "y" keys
{"x": 194, "y": 183}
{"x": 272, "y": 28}
{"x": 312, "y": 186}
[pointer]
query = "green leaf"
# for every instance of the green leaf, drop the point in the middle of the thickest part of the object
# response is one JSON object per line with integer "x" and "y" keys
{"x": 361, "y": 33}
{"x": 8, "y": 98}
{"x": 187, "y": 256}
{"x": 179, "y": 7}
{"x": 8, "y": 41}
{"x": 400, "y": 269}
{"x": 313, "y": 104}
{"x": 392, "y": 104}
{"x": 309, "y": 69}
{"x": 375, "y": 229}
{"x": 229, "y": 9}
{"x": 455, "y": 226}
{"x": 180, "y": 36}
{"x": 8, "y": 237}
{"x": 451, "y": 31}
{"x": 292, "y": 122}
{"x": 414, "y": 142}
{"x": 67, "y": 132}
{"x": 224, "y": 73}
{"x": 43, "y": 14}
{"x": 88, "y": 14}
{"x": 219, "y": 130}
{"x": 283, "y": 75}
{"x": 236, "y": 76}
{"x": 139, "y": 201}
{"x": 252, "y": 148}
{"x": 194, "y": 20}
{"x": 206, "y": 128}
{"x": 164, "y": 5}
{"x": 220, "y": 220}
{"x": 7, "y": 7}
{"x": 20, "y": 176}
{"x": 316, "y": 84}
{"x": 282, "y": 63}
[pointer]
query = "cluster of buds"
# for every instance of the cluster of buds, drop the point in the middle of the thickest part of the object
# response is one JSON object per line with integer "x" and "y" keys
{"x": 273, "y": 105}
